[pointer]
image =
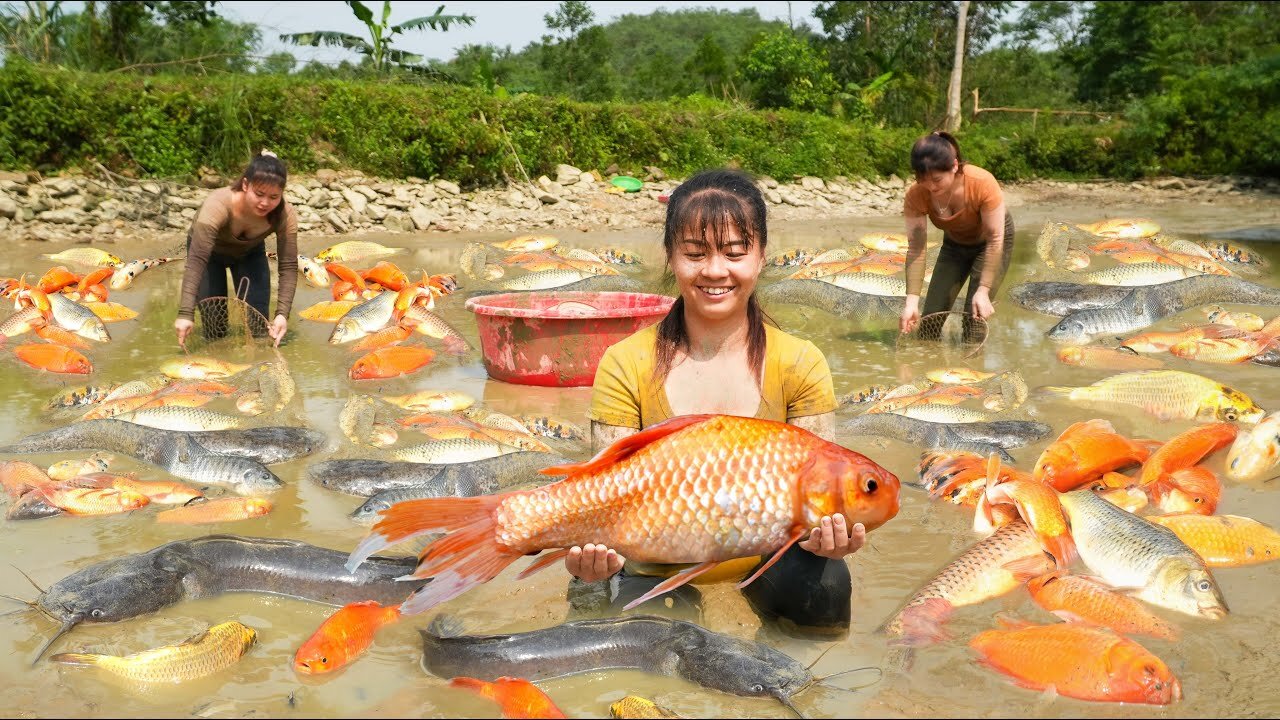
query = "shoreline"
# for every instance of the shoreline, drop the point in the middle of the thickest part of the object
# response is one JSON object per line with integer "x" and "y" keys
{"x": 89, "y": 210}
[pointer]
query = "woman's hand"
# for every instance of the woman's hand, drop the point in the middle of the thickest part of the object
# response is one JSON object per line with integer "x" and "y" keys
{"x": 982, "y": 307}
{"x": 276, "y": 331}
{"x": 910, "y": 314}
{"x": 831, "y": 540}
{"x": 593, "y": 563}
{"x": 183, "y": 327}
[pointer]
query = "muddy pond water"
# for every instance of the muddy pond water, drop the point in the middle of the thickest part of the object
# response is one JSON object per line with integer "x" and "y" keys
{"x": 1226, "y": 667}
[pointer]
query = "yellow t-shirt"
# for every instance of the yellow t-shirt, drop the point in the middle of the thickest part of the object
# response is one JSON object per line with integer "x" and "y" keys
{"x": 796, "y": 383}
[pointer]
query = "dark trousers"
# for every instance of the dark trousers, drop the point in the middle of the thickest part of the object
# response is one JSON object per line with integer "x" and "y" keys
{"x": 805, "y": 594}
{"x": 253, "y": 268}
{"x": 958, "y": 263}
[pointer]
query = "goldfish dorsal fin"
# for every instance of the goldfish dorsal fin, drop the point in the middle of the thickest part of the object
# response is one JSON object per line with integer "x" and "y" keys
{"x": 627, "y": 446}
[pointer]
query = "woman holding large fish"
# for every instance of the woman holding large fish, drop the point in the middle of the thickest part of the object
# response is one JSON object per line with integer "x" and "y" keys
{"x": 229, "y": 233}
{"x": 692, "y": 489}
{"x": 966, "y": 203}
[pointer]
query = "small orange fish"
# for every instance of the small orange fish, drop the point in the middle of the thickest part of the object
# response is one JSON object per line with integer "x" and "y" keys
{"x": 95, "y": 278}
{"x": 345, "y": 274}
{"x": 25, "y": 320}
{"x": 1077, "y": 599}
{"x": 93, "y": 501}
{"x": 330, "y": 311}
{"x": 1186, "y": 449}
{"x": 54, "y": 358}
{"x": 18, "y": 477}
{"x": 111, "y": 311}
{"x": 516, "y": 698}
{"x": 387, "y": 275}
{"x": 162, "y": 492}
{"x": 57, "y": 278}
{"x": 1158, "y": 342}
{"x": 1224, "y": 350}
{"x": 1224, "y": 540}
{"x": 177, "y": 399}
{"x": 1078, "y": 661}
{"x": 1189, "y": 490}
{"x": 224, "y": 509}
{"x": 960, "y": 477}
{"x": 1085, "y": 451}
{"x": 391, "y": 362}
{"x": 343, "y": 637}
{"x": 383, "y": 338}
{"x": 58, "y": 336}
{"x": 1105, "y": 358}
{"x": 1039, "y": 507}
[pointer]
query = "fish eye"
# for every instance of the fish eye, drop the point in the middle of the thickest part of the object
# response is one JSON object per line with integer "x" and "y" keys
{"x": 1197, "y": 500}
{"x": 757, "y": 688}
{"x": 96, "y": 613}
{"x": 1230, "y": 415}
{"x": 324, "y": 661}
{"x": 1203, "y": 586}
{"x": 869, "y": 483}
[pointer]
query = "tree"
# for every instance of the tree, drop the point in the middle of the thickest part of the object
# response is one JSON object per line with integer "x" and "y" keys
{"x": 378, "y": 47}
{"x": 709, "y": 65}
{"x": 577, "y": 63}
{"x": 278, "y": 63}
{"x": 786, "y": 72}
{"x": 957, "y": 72}
{"x": 33, "y": 33}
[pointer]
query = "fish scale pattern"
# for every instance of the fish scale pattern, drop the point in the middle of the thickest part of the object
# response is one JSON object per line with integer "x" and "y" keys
{"x": 1168, "y": 393}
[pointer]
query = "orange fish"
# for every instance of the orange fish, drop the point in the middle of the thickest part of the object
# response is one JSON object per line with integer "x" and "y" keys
{"x": 18, "y": 477}
{"x": 390, "y": 362}
{"x": 1158, "y": 342}
{"x": 693, "y": 489}
{"x": 92, "y": 279}
{"x": 387, "y": 275}
{"x": 1224, "y": 350}
{"x": 162, "y": 492}
{"x": 1224, "y": 540}
{"x": 345, "y": 274}
{"x": 960, "y": 477}
{"x": 343, "y": 637}
{"x": 224, "y": 509}
{"x": 58, "y": 336}
{"x": 516, "y": 698}
{"x": 93, "y": 501}
{"x": 1083, "y": 452}
{"x": 1077, "y": 599}
{"x": 25, "y": 320}
{"x": 1078, "y": 661}
{"x": 1189, "y": 490}
{"x": 1186, "y": 449}
{"x": 177, "y": 399}
{"x": 383, "y": 338}
{"x": 1105, "y": 358}
{"x": 54, "y": 358}
{"x": 1039, "y": 507}
{"x": 57, "y": 278}
{"x": 111, "y": 311}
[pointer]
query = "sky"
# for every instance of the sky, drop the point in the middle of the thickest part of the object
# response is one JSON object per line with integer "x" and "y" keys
{"x": 499, "y": 23}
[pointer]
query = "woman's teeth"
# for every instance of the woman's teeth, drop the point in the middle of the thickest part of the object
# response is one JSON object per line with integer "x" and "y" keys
{"x": 715, "y": 290}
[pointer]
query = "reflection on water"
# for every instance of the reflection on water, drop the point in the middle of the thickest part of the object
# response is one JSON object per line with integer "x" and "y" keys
{"x": 1225, "y": 667}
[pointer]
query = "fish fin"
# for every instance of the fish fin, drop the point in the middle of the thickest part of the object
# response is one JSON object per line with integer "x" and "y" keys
{"x": 412, "y": 518}
{"x": 627, "y": 446}
{"x": 1067, "y": 616}
{"x": 1050, "y": 391}
{"x": 672, "y": 582}
{"x": 1062, "y": 548}
{"x": 923, "y": 624}
{"x": 82, "y": 659}
{"x": 795, "y": 537}
{"x": 543, "y": 563}
{"x": 480, "y": 687}
{"x": 1005, "y": 622}
{"x": 458, "y": 562}
{"x": 1025, "y": 568}
{"x": 447, "y": 626}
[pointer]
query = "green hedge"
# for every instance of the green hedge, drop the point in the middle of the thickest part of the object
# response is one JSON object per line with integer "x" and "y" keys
{"x": 158, "y": 126}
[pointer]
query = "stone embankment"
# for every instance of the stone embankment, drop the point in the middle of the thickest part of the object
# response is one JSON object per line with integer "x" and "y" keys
{"x": 109, "y": 209}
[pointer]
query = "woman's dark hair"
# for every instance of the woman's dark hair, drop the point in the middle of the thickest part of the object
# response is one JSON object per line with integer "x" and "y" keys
{"x": 265, "y": 169}
{"x": 709, "y": 206}
{"x": 936, "y": 151}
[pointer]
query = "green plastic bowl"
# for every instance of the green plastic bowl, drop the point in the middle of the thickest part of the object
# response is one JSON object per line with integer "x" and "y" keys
{"x": 628, "y": 183}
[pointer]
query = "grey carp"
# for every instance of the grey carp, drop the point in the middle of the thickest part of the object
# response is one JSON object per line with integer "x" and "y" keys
{"x": 643, "y": 642}
{"x": 370, "y": 477}
{"x": 446, "y": 484}
{"x": 268, "y": 445}
{"x": 834, "y": 299}
{"x": 980, "y": 437}
{"x": 1061, "y": 298}
{"x": 126, "y": 587}
{"x": 1144, "y": 306}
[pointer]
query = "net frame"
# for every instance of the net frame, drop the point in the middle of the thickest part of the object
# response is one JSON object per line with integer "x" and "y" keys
{"x": 949, "y": 327}
{"x": 229, "y": 322}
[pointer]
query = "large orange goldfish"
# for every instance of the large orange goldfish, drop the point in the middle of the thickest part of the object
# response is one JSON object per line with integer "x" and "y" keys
{"x": 1186, "y": 449}
{"x": 696, "y": 489}
{"x": 1079, "y": 661}
{"x": 1038, "y": 505}
{"x": 54, "y": 358}
{"x": 343, "y": 637}
{"x": 1077, "y": 599}
{"x": 389, "y": 362}
{"x": 1083, "y": 452}
{"x": 516, "y": 697}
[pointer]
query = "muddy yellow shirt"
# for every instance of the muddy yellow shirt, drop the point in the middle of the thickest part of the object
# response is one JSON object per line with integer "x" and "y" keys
{"x": 796, "y": 383}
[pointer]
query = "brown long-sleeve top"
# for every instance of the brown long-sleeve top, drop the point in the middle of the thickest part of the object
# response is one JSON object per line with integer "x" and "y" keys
{"x": 211, "y": 232}
{"x": 982, "y": 194}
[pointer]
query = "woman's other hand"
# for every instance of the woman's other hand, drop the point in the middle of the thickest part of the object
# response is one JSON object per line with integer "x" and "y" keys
{"x": 183, "y": 327}
{"x": 833, "y": 541}
{"x": 982, "y": 307}
{"x": 910, "y": 314}
{"x": 277, "y": 329}
{"x": 593, "y": 563}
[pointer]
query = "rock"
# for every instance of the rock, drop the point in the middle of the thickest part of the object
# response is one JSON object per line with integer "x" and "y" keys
{"x": 299, "y": 192}
{"x": 45, "y": 234}
{"x": 547, "y": 198}
{"x": 791, "y": 199}
{"x": 612, "y": 169}
{"x": 182, "y": 202}
{"x": 654, "y": 172}
{"x": 8, "y": 206}
{"x": 334, "y": 219}
{"x": 448, "y": 187}
{"x": 360, "y": 219}
{"x": 175, "y": 221}
{"x": 809, "y": 182}
{"x": 17, "y": 178}
{"x": 586, "y": 179}
{"x": 773, "y": 196}
{"x": 356, "y": 200}
{"x": 822, "y": 203}
{"x": 768, "y": 182}
{"x": 376, "y": 211}
{"x": 421, "y": 217}
{"x": 325, "y": 176}
{"x": 567, "y": 174}
{"x": 515, "y": 199}
{"x": 151, "y": 188}
{"x": 105, "y": 228}
{"x": 894, "y": 182}
{"x": 544, "y": 182}
{"x": 212, "y": 182}
{"x": 61, "y": 187}
{"x": 368, "y": 192}
{"x": 188, "y": 213}
{"x": 427, "y": 193}
{"x": 65, "y": 216}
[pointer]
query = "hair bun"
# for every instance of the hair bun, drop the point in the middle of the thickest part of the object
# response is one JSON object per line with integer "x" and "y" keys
{"x": 268, "y": 153}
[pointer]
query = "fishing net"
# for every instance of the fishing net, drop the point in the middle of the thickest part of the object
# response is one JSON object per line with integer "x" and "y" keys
{"x": 951, "y": 328}
{"x": 228, "y": 322}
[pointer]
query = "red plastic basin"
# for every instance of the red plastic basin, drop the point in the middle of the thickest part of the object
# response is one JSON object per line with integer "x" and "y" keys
{"x": 556, "y": 339}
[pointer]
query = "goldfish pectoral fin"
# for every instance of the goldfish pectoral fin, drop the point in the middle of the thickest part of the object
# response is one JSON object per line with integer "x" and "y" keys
{"x": 627, "y": 446}
{"x": 1067, "y": 616}
{"x": 674, "y": 582}
{"x": 795, "y": 537}
{"x": 1028, "y": 567}
{"x": 543, "y": 562}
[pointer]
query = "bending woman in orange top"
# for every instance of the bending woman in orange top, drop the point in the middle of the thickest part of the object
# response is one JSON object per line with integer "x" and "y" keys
{"x": 965, "y": 202}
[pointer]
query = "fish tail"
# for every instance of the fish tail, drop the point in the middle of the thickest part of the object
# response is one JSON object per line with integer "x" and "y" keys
{"x": 1049, "y": 391}
{"x": 82, "y": 659}
{"x": 1062, "y": 547}
{"x": 458, "y": 562}
{"x": 411, "y": 518}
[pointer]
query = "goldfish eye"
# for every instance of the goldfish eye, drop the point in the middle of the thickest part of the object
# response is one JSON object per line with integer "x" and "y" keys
{"x": 1203, "y": 586}
{"x": 869, "y": 483}
{"x": 324, "y": 661}
{"x": 1197, "y": 500}
{"x": 1230, "y": 415}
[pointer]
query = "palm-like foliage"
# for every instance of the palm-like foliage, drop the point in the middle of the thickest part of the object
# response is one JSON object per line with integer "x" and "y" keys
{"x": 378, "y": 47}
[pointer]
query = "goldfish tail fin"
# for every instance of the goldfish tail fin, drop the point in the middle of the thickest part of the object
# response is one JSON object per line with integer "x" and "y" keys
{"x": 924, "y": 624}
{"x": 1062, "y": 548}
{"x": 458, "y": 562}
{"x": 83, "y": 659}
{"x": 412, "y": 518}
{"x": 672, "y": 582}
{"x": 543, "y": 563}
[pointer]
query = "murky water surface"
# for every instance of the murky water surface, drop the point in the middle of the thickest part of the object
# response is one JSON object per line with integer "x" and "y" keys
{"x": 1226, "y": 668}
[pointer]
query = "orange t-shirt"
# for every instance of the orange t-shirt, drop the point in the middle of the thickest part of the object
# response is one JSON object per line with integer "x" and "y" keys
{"x": 981, "y": 195}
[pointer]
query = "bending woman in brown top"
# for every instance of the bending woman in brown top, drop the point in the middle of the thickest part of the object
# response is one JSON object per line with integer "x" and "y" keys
{"x": 965, "y": 202}
{"x": 229, "y": 233}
